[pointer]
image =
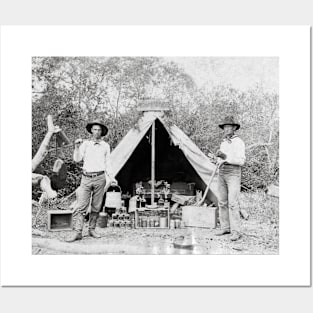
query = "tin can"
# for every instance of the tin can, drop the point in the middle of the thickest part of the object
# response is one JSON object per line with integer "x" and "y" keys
{"x": 157, "y": 222}
{"x": 144, "y": 223}
{"x": 133, "y": 224}
{"x": 163, "y": 222}
{"x": 111, "y": 223}
{"x": 177, "y": 223}
{"x": 102, "y": 220}
{"x": 128, "y": 224}
{"x": 172, "y": 224}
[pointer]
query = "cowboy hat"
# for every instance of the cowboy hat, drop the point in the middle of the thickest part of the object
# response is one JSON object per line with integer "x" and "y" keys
{"x": 229, "y": 120}
{"x": 97, "y": 122}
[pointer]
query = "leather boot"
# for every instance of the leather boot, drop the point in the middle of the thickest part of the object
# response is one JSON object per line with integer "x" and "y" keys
{"x": 92, "y": 225}
{"x": 75, "y": 236}
{"x": 222, "y": 232}
{"x": 78, "y": 227}
{"x": 235, "y": 236}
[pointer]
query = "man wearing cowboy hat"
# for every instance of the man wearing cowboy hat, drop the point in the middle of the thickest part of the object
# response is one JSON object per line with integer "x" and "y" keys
{"x": 96, "y": 156}
{"x": 231, "y": 158}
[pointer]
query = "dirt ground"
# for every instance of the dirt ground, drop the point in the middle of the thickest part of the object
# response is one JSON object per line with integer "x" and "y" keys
{"x": 260, "y": 235}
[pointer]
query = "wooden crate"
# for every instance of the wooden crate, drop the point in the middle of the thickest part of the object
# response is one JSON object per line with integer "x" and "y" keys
{"x": 153, "y": 210}
{"x": 199, "y": 216}
{"x": 60, "y": 220}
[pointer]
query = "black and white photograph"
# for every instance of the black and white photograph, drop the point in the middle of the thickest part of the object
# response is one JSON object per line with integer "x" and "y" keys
{"x": 178, "y": 154}
{"x": 169, "y": 146}
{"x": 150, "y": 155}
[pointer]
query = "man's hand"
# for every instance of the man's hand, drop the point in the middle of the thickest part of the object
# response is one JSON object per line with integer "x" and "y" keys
{"x": 78, "y": 142}
{"x": 220, "y": 161}
{"x": 221, "y": 155}
{"x": 52, "y": 129}
{"x": 113, "y": 182}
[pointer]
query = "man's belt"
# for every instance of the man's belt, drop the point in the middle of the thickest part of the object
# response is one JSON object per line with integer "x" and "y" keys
{"x": 92, "y": 174}
{"x": 230, "y": 165}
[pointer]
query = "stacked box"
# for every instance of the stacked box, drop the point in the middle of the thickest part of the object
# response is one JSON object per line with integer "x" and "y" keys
{"x": 199, "y": 216}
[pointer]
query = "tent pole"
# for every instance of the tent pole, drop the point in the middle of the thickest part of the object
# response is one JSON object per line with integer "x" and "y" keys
{"x": 152, "y": 162}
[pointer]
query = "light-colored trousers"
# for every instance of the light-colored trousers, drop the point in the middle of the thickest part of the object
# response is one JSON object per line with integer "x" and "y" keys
{"x": 229, "y": 179}
{"x": 91, "y": 188}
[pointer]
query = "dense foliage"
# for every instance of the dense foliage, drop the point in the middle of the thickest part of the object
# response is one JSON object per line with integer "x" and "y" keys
{"x": 76, "y": 90}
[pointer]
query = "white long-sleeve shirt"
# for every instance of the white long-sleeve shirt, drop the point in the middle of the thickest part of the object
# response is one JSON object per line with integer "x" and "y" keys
{"x": 96, "y": 157}
{"x": 234, "y": 148}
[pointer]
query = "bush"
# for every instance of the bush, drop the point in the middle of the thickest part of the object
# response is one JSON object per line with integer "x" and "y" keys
{"x": 76, "y": 90}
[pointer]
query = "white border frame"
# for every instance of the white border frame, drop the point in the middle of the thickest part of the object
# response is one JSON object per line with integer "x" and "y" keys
{"x": 290, "y": 43}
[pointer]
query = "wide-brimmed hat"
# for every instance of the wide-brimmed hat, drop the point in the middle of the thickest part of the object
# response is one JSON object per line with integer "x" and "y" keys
{"x": 97, "y": 122}
{"x": 229, "y": 120}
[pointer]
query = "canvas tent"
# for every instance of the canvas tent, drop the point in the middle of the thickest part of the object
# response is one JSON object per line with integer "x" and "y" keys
{"x": 176, "y": 156}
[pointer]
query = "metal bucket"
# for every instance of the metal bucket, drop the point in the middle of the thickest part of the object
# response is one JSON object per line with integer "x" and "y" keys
{"x": 113, "y": 197}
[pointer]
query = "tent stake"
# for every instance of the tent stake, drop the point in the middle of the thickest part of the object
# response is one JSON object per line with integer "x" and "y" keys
{"x": 152, "y": 163}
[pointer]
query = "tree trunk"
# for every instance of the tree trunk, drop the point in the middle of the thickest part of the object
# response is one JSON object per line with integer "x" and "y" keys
{"x": 43, "y": 149}
{"x": 38, "y": 179}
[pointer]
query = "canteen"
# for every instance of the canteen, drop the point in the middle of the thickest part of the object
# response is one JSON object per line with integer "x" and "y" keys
{"x": 103, "y": 220}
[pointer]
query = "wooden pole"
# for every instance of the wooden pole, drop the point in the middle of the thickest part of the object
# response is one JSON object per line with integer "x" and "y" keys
{"x": 152, "y": 162}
